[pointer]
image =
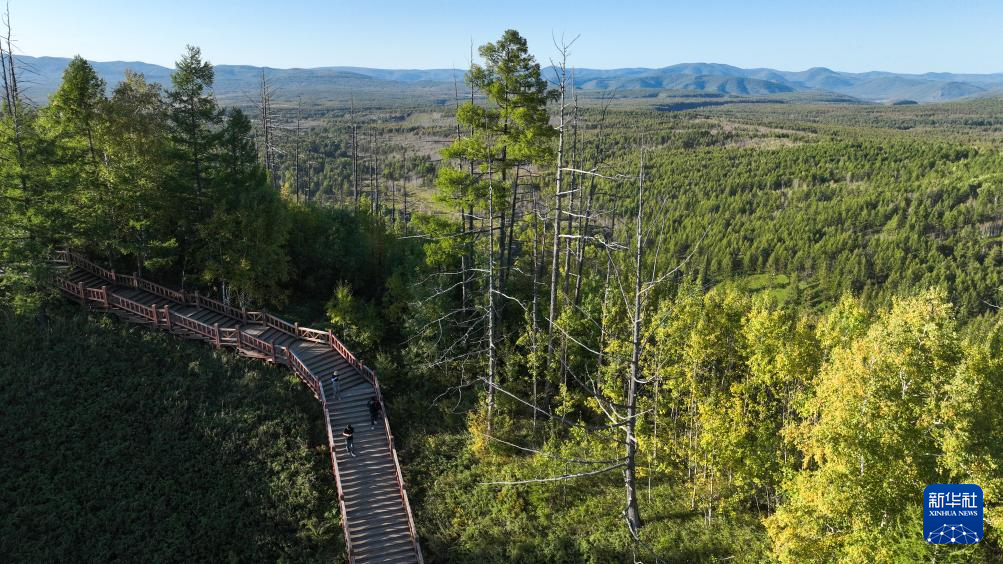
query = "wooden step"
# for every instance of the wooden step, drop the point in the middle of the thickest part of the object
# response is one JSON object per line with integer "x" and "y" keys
{"x": 375, "y": 517}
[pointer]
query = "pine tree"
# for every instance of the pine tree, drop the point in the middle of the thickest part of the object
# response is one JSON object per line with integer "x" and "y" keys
{"x": 137, "y": 158}
{"x": 243, "y": 241}
{"x": 72, "y": 125}
{"x": 194, "y": 118}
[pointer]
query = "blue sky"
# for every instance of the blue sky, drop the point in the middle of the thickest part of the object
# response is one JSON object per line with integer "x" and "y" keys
{"x": 849, "y": 35}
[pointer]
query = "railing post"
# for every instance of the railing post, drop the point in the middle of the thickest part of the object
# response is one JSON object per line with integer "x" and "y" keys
{"x": 243, "y": 314}
{"x": 83, "y": 294}
{"x": 156, "y": 318}
{"x": 197, "y": 306}
{"x": 167, "y": 317}
{"x": 215, "y": 327}
{"x": 135, "y": 280}
{"x": 104, "y": 295}
{"x": 296, "y": 328}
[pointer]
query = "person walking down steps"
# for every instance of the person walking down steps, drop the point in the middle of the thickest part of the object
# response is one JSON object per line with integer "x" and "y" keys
{"x": 374, "y": 411}
{"x": 349, "y": 434}
{"x": 336, "y": 384}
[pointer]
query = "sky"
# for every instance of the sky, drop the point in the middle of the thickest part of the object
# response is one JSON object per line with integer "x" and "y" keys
{"x": 849, "y": 35}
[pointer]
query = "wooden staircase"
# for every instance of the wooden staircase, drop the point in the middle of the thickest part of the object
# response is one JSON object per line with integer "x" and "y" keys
{"x": 376, "y": 515}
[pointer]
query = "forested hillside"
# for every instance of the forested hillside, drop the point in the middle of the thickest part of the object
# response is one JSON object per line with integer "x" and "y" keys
{"x": 607, "y": 331}
{"x": 330, "y": 84}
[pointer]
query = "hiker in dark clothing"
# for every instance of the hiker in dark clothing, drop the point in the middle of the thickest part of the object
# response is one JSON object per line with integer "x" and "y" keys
{"x": 336, "y": 383}
{"x": 349, "y": 434}
{"x": 374, "y": 411}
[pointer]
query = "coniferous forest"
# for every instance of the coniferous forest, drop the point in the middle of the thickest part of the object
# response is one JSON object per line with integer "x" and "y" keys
{"x": 609, "y": 327}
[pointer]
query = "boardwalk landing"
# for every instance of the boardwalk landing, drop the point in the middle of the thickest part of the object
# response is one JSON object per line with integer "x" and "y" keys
{"x": 375, "y": 511}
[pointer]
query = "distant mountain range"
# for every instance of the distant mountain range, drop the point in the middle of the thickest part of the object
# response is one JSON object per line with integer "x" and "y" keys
{"x": 336, "y": 83}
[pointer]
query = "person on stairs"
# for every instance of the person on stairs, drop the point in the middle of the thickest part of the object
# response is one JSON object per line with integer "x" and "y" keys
{"x": 374, "y": 411}
{"x": 336, "y": 384}
{"x": 349, "y": 434}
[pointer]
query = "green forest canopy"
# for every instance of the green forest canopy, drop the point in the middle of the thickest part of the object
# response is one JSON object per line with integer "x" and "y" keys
{"x": 817, "y": 326}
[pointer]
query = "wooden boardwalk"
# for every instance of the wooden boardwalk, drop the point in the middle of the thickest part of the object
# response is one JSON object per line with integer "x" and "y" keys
{"x": 376, "y": 515}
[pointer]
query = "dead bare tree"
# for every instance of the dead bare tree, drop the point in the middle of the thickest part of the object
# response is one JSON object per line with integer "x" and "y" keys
{"x": 355, "y": 157}
{"x": 492, "y": 312}
{"x": 13, "y": 100}
{"x": 265, "y": 93}
{"x": 630, "y": 470}
{"x": 586, "y": 216}
{"x": 297, "y": 142}
{"x": 562, "y": 81}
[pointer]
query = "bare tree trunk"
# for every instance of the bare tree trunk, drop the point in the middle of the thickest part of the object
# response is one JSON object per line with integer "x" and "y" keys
{"x": 605, "y": 298}
{"x": 405, "y": 216}
{"x": 265, "y": 111}
{"x": 376, "y": 176}
{"x": 586, "y": 220}
{"x": 574, "y": 189}
{"x": 629, "y": 474}
{"x": 296, "y": 175}
{"x": 465, "y": 256}
{"x": 506, "y": 266}
{"x": 12, "y": 99}
{"x": 555, "y": 259}
{"x": 464, "y": 261}
{"x": 491, "y": 296}
{"x": 355, "y": 158}
{"x": 534, "y": 330}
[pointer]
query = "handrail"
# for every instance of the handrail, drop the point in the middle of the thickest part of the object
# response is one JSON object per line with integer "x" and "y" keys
{"x": 153, "y": 288}
{"x": 228, "y": 335}
{"x": 68, "y": 286}
{"x": 192, "y": 325}
{"x": 256, "y": 343}
{"x": 302, "y": 371}
{"x": 220, "y": 307}
{"x": 280, "y": 324}
{"x": 237, "y": 337}
{"x": 312, "y": 335}
{"x": 77, "y": 260}
{"x": 397, "y": 467}
{"x": 133, "y": 306}
{"x": 337, "y": 476}
{"x": 202, "y": 301}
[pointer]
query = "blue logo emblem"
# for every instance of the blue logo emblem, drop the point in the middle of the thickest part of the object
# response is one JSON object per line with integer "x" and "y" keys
{"x": 952, "y": 514}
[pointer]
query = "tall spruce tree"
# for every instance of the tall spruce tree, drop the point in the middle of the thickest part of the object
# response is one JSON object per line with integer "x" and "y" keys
{"x": 72, "y": 125}
{"x": 137, "y": 151}
{"x": 194, "y": 120}
{"x": 242, "y": 250}
{"x": 509, "y": 132}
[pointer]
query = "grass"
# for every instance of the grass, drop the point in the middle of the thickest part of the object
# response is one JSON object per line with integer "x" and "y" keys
{"x": 122, "y": 443}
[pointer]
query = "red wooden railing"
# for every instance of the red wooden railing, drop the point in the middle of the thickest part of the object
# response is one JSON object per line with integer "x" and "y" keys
{"x": 218, "y": 307}
{"x": 68, "y": 287}
{"x": 84, "y": 264}
{"x": 371, "y": 376}
{"x": 302, "y": 371}
{"x": 238, "y": 338}
{"x": 337, "y": 478}
{"x": 259, "y": 345}
{"x": 192, "y": 325}
{"x": 133, "y": 307}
